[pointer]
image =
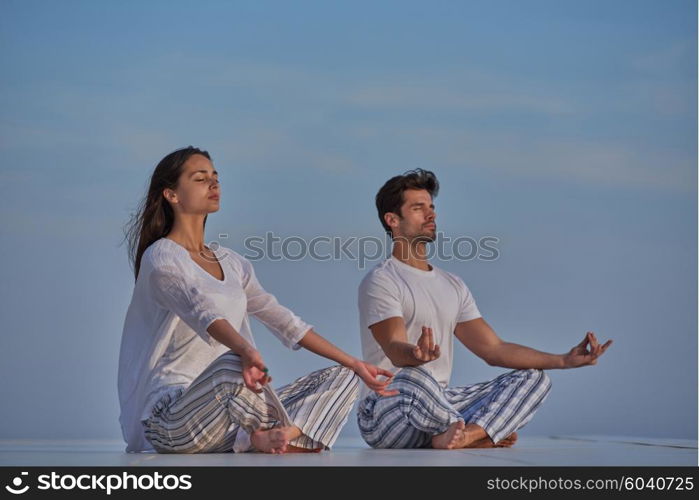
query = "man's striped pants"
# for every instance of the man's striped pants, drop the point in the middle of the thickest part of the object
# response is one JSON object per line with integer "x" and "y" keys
{"x": 216, "y": 413}
{"x": 423, "y": 408}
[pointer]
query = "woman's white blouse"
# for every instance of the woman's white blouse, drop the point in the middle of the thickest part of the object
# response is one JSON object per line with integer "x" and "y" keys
{"x": 165, "y": 345}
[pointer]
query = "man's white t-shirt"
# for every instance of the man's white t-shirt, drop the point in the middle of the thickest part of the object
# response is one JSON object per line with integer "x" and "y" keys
{"x": 437, "y": 299}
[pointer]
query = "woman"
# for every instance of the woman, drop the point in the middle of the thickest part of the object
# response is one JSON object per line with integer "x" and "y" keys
{"x": 190, "y": 377}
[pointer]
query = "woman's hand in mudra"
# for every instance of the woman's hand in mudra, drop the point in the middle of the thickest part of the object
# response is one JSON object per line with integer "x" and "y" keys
{"x": 370, "y": 375}
{"x": 255, "y": 373}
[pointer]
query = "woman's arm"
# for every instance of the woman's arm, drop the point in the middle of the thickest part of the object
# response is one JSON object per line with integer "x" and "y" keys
{"x": 173, "y": 291}
{"x": 295, "y": 333}
{"x": 224, "y": 332}
{"x": 321, "y": 346}
{"x": 254, "y": 369}
{"x": 317, "y": 344}
{"x": 281, "y": 321}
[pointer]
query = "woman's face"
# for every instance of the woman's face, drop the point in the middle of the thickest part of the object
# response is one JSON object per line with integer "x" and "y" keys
{"x": 198, "y": 189}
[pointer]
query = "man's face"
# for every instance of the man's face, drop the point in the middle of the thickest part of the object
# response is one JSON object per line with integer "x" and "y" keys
{"x": 418, "y": 217}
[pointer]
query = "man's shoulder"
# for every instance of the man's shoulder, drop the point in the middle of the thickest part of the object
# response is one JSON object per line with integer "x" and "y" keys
{"x": 447, "y": 274}
{"x": 380, "y": 272}
{"x": 452, "y": 278}
{"x": 381, "y": 280}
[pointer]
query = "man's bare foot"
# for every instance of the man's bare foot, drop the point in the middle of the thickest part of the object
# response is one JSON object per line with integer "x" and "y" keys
{"x": 459, "y": 436}
{"x": 275, "y": 440}
{"x": 451, "y": 438}
{"x": 486, "y": 442}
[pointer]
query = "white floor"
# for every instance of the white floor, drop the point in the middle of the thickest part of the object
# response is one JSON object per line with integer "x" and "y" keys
{"x": 528, "y": 451}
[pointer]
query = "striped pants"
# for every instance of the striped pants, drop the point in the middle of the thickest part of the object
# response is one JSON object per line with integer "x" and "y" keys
{"x": 423, "y": 408}
{"x": 209, "y": 414}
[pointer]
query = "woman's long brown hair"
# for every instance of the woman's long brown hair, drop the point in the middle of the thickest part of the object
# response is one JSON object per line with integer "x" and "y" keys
{"x": 154, "y": 217}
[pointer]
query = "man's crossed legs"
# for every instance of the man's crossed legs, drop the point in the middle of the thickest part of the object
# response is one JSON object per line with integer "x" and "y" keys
{"x": 424, "y": 414}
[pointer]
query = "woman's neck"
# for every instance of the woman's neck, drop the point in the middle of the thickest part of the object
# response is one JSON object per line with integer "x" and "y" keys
{"x": 189, "y": 233}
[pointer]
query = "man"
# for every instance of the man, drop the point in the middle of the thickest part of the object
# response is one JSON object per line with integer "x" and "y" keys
{"x": 410, "y": 311}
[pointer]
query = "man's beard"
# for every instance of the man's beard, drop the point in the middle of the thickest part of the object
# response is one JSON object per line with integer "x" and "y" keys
{"x": 424, "y": 236}
{"x": 427, "y": 237}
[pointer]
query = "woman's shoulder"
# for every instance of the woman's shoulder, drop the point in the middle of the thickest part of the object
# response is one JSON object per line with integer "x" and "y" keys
{"x": 237, "y": 261}
{"x": 164, "y": 253}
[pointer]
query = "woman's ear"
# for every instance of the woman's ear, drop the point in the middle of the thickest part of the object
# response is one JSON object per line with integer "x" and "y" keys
{"x": 170, "y": 195}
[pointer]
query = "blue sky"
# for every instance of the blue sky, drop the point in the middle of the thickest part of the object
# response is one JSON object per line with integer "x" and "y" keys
{"x": 567, "y": 129}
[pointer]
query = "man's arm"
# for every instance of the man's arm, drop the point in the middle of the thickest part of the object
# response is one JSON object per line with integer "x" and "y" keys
{"x": 393, "y": 339}
{"x": 481, "y": 339}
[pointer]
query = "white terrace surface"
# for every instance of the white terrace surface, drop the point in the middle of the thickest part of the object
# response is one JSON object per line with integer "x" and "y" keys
{"x": 528, "y": 451}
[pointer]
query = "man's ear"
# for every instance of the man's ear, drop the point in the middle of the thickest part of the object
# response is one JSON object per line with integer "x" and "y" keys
{"x": 391, "y": 219}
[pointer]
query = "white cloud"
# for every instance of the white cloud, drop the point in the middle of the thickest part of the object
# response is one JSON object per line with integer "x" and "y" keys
{"x": 668, "y": 59}
{"x": 574, "y": 160}
{"x": 299, "y": 119}
{"x": 443, "y": 98}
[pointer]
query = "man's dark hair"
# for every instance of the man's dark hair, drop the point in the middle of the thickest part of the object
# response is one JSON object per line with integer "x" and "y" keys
{"x": 390, "y": 197}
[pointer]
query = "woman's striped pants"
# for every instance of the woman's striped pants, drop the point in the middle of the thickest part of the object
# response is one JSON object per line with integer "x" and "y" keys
{"x": 423, "y": 408}
{"x": 208, "y": 415}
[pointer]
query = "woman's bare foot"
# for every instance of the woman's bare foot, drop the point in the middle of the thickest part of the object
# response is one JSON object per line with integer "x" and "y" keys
{"x": 486, "y": 442}
{"x": 296, "y": 449}
{"x": 451, "y": 438}
{"x": 507, "y": 442}
{"x": 275, "y": 440}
